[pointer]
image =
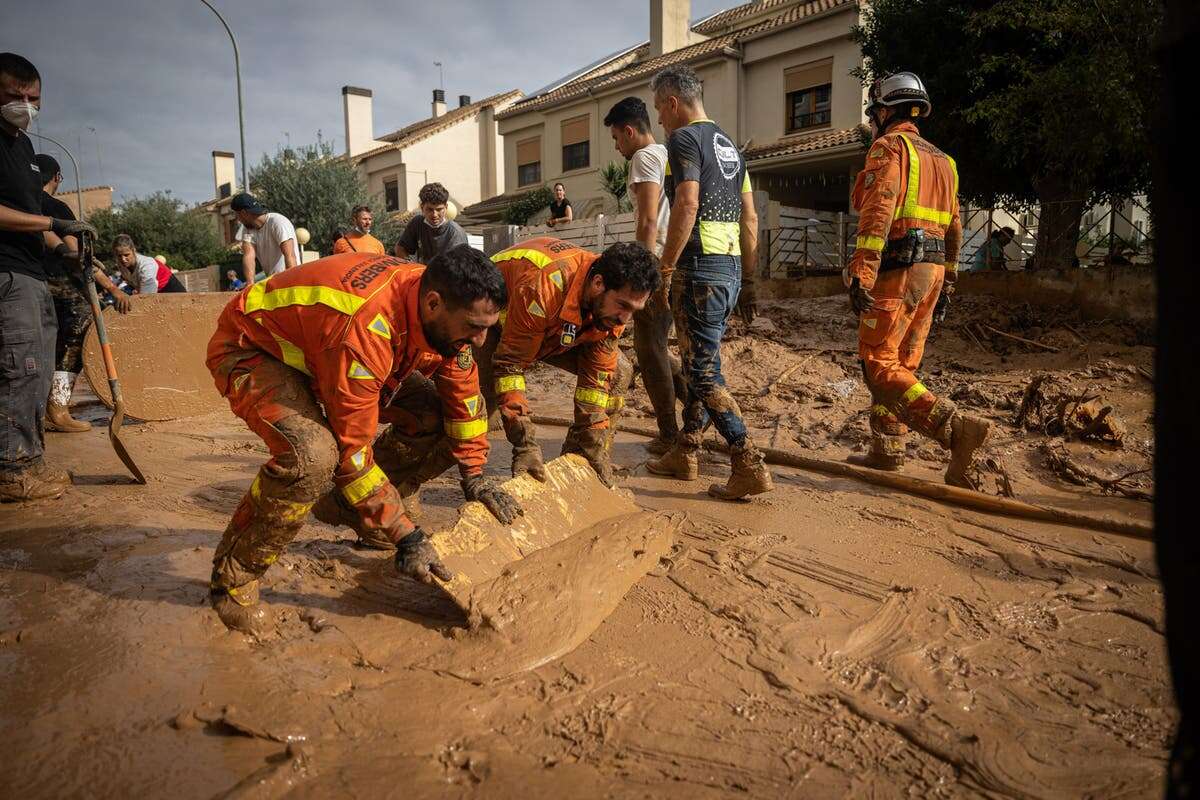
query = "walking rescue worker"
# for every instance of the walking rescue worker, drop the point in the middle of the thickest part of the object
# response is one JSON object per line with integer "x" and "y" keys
{"x": 711, "y": 237}
{"x": 909, "y": 233}
{"x": 566, "y": 307}
{"x": 308, "y": 358}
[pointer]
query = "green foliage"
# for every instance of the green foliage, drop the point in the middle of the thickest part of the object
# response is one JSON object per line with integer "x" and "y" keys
{"x": 520, "y": 210}
{"x": 1038, "y": 100}
{"x": 614, "y": 177}
{"x": 315, "y": 189}
{"x": 160, "y": 225}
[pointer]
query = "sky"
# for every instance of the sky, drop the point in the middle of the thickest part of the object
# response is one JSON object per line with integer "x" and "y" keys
{"x": 143, "y": 92}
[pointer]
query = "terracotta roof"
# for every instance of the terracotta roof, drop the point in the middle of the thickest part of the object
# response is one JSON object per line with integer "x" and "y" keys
{"x": 632, "y": 65}
{"x": 722, "y": 21}
{"x": 423, "y": 129}
{"x": 823, "y": 140}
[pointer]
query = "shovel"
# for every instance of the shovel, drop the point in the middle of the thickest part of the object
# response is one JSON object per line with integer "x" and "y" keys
{"x": 110, "y": 366}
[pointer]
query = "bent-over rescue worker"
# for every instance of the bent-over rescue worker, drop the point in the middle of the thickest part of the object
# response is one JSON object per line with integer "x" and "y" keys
{"x": 312, "y": 359}
{"x": 566, "y": 307}
{"x": 906, "y": 255}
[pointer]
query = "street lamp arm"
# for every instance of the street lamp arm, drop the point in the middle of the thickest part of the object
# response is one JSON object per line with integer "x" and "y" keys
{"x": 74, "y": 166}
{"x": 237, "y": 68}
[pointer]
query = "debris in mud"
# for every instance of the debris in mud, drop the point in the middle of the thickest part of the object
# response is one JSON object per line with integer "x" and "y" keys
{"x": 988, "y": 475}
{"x": 1051, "y": 408}
{"x": 1060, "y": 462}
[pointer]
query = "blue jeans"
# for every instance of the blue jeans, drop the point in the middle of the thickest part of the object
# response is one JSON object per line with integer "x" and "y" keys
{"x": 703, "y": 295}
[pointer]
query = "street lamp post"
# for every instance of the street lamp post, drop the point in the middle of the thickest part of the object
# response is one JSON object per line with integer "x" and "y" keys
{"x": 237, "y": 68}
{"x": 74, "y": 165}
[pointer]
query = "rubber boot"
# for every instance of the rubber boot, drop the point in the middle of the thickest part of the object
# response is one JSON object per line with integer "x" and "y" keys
{"x": 886, "y": 453}
{"x": 966, "y": 434}
{"x": 58, "y": 414}
{"x": 239, "y": 607}
{"x": 680, "y": 461}
{"x": 749, "y": 476}
{"x": 35, "y": 483}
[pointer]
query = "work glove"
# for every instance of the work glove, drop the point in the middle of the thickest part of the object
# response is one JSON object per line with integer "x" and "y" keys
{"x": 747, "y": 305}
{"x": 861, "y": 300}
{"x": 71, "y": 227}
{"x": 503, "y": 505}
{"x": 527, "y": 458}
{"x": 592, "y": 444}
{"x": 416, "y": 558}
{"x": 939, "y": 310}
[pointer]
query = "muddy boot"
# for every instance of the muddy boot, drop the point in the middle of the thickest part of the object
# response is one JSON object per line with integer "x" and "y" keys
{"x": 58, "y": 414}
{"x": 965, "y": 436}
{"x": 680, "y": 461}
{"x": 35, "y": 483}
{"x": 749, "y": 476}
{"x": 886, "y": 453}
{"x": 660, "y": 444}
{"x": 333, "y": 510}
{"x": 239, "y": 607}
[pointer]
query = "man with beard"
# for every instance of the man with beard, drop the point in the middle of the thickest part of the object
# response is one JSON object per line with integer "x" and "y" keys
{"x": 312, "y": 359}
{"x": 268, "y": 238}
{"x": 359, "y": 239}
{"x": 566, "y": 307}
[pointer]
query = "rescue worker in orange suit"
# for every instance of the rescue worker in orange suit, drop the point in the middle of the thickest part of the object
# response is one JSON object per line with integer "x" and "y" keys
{"x": 566, "y": 307}
{"x": 312, "y": 359}
{"x": 905, "y": 258}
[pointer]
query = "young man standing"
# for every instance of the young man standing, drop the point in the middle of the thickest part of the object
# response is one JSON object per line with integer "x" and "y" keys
{"x": 359, "y": 239}
{"x": 712, "y": 236}
{"x": 433, "y": 232}
{"x": 268, "y": 238}
{"x": 629, "y": 123}
{"x": 28, "y": 326}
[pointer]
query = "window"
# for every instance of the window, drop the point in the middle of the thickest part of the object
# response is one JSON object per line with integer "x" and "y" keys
{"x": 226, "y": 190}
{"x": 576, "y": 150}
{"x": 391, "y": 195}
{"x": 808, "y": 93}
{"x": 529, "y": 161}
{"x": 231, "y": 231}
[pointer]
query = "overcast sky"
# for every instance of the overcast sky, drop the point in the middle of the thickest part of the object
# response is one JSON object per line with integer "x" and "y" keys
{"x": 155, "y": 78}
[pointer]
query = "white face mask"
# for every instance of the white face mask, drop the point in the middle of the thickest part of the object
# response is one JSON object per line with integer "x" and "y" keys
{"x": 435, "y": 225}
{"x": 19, "y": 114}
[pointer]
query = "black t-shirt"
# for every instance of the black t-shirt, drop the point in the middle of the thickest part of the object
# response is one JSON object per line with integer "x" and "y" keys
{"x": 703, "y": 152}
{"x": 53, "y": 207}
{"x": 559, "y": 210}
{"x": 20, "y": 190}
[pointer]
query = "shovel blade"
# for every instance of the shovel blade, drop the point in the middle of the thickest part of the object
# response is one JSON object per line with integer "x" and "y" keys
{"x": 114, "y": 438}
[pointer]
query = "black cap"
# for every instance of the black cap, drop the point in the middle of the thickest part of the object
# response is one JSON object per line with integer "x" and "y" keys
{"x": 47, "y": 166}
{"x": 244, "y": 201}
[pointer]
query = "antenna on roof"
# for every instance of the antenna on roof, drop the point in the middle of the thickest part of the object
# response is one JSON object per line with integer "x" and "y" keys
{"x": 441, "y": 78}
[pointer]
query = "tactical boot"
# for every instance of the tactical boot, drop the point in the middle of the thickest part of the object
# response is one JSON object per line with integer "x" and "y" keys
{"x": 749, "y": 476}
{"x": 966, "y": 434}
{"x": 660, "y": 444}
{"x": 886, "y": 453}
{"x": 239, "y": 608}
{"x": 332, "y": 510}
{"x": 680, "y": 461}
{"x": 58, "y": 418}
{"x": 34, "y": 483}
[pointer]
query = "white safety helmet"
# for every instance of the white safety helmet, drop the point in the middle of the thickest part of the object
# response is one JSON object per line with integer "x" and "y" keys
{"x": 900, "y": 89}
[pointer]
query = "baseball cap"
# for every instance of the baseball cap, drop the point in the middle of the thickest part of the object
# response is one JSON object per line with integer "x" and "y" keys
{"x": 47, "y": 166}
{"x": 244, "y": 201}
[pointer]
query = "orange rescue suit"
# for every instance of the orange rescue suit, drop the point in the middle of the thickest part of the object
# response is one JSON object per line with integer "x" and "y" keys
{"x": 546, "y": 278}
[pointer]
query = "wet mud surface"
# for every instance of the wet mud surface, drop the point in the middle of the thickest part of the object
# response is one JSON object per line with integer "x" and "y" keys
{"x": 828, "y": 639}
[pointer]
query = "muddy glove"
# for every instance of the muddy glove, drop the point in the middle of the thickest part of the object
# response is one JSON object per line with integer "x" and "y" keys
{"x": 592, "y": 444}
{"x": 527, "y": 453}
{"x": 861, "y": 300}
{"x": 747, "y": 305}
{"x": 939, "y": 310}
{"x": 416, "y": 558}
{"x": 503, "y": 505}
{"x": 70, "y": 227}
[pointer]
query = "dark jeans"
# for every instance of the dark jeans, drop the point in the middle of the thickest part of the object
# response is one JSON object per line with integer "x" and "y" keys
{"x": 74, "y": 315}
{"x": 27, "y": 334}
{"x": 651, "y": 329}
{"x": 703, "y": 295}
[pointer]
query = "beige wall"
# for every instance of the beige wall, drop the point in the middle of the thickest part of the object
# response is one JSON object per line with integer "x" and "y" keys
{"x": 94, "y": 198}
{"x": 450, "y": 158}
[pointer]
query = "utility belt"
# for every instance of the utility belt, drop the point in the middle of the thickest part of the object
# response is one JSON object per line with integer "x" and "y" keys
{"x": 912, "y": 248}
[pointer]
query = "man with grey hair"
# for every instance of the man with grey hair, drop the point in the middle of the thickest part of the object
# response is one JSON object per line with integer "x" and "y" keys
{"x": 712, "y": 235}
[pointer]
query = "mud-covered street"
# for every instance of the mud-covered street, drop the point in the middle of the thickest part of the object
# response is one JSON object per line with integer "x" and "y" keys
{"x": 829, "y": 639}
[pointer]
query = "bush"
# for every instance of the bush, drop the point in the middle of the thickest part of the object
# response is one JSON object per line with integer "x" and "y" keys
{"x": 519, "y": 211}
{"x": 160, "y": 225}
{"x": 614, "y": 177}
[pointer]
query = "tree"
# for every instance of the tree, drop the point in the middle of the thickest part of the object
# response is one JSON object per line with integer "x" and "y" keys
{"x": 316, "y": 190}
{"x": 614, "y": 177}
{"x": 161, "y": 225}
{"x": 1040, "y": 101}
{"x": 524, "y": 207}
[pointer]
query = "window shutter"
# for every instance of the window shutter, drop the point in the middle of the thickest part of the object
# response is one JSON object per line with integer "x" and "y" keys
{"x": 529, "y": 151}
{"x": 575, "y": 130}
{"x": 806, "y": 76}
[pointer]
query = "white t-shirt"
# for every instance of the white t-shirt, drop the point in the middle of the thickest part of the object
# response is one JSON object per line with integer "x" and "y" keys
{"x": 267, "y": 240}
{"x": 649, "y": 165}
{"x": 145, "y": 274}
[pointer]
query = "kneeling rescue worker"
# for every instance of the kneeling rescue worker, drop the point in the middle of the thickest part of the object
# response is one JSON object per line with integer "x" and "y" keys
{"x": 906, "y": 256}
{"x": 566, "y": 307}
{"x": 312, "y": 359}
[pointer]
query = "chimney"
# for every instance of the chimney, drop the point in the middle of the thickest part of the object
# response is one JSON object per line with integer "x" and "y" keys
{"x": 439, "y": 102}
{"x": 224, "y": 174}
{"x": 669, "y": 25}
{"x": 464, "y": 100}
{"x": 360, "y": 123}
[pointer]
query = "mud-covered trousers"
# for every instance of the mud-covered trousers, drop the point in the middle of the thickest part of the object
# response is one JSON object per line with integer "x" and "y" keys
{"x": 703, "y": 296}
{"x": 660, "y": 373}
{"x": 891, "y": 342}
{"x": 74, "y": 314}
{"x": 277, "y": 404}
{"x": 27, "y": 332}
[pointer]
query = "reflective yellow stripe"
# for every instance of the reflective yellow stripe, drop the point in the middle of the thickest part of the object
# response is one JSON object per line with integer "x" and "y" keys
{"x": 616, "y": 404}
{"x": 510, "y": 383}
{"x": 292, "y": 356}
{"x": 910, "y": 208}
{"x": 719, "y": 238}
{"x": 365, "y": 485}
{"x": 260, "y": 298}
{"x": 593, "y": 397}
{"x": 536, "y": 256}
{"x": 359, "y": 373}
{"x": 873, "y": 243}
{"x": 746, "y": 182}
{"x": 291, "y": 512}
{"x": 880, "y": 411}
{"x": 914, "y": 391}
{"x": 466, "y": 430}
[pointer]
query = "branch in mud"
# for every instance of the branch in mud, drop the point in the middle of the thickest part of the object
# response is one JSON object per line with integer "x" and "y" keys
{"x": 1047, "y": 408}
{"x": 1060, "y": 462}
